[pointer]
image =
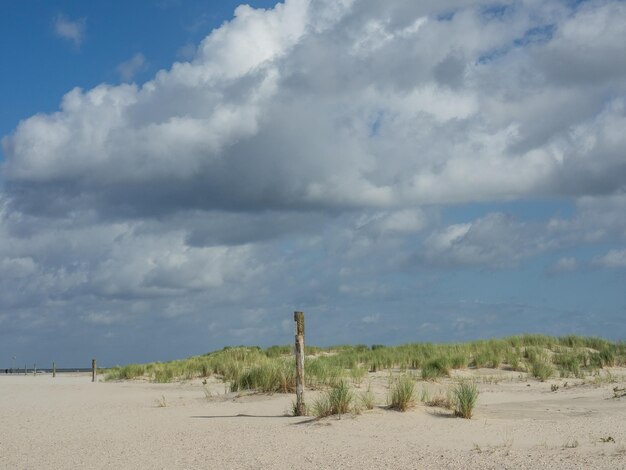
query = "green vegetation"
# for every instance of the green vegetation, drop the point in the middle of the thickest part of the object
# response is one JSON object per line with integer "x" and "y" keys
{"x": 466, "y": 395}
{"x": 272, "y": 370}
{"x": 539, "y": 364}
{"x": 338, "y": 400}
{"x": 131, "y": 371}
{"x": 435, "y": 368}
{"x": 402, "y": 395}
{"x": 367, "y": 398}
{"x": 268, "y": 377}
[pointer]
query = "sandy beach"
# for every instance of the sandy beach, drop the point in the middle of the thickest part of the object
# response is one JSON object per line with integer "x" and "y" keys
{"x": 70, "y": 422}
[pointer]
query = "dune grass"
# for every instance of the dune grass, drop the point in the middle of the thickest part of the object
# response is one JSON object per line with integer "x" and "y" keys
{"x": 338, "y": 400}
{"x": 402, "y": 393}
{"x": 269, "y": 377}
{"x": 466, "y": 395}
{"x": 435, "y": 368}
{"x": 539, "y": 363}
{"x": 272, "y": 370}
{"x": 367, "y": 398}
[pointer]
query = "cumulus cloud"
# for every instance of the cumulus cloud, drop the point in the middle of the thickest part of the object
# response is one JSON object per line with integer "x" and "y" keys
{"x": 270, "y": 113}
{"x": 72, "y": 30}
{"x": 334, "y": 130}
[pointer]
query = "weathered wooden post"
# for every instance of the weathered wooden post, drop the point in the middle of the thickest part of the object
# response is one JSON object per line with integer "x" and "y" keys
{"x": 54, "y": 369}
{"x": 34, "y": 370}
{"x": 299, "y": 319}
{"x": 93, "y": 370}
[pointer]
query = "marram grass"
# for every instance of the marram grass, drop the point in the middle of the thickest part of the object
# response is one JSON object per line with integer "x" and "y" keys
{"x": 402, "y": 393}
{"x": 465, "y": 395}
{"x": 272, "y": 370}
{"x": 338, "y": 400}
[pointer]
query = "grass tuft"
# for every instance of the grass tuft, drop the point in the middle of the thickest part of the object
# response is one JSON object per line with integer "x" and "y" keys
{"x": 466, "y": 395}
{"x": 541, "y": 369}
{"x": 336, "y": 401}
{"x": 402, "y": 396}
{"x": 367, "y": 398}
{"x": 440, "y": 401}
{"x": 434, "y": 369}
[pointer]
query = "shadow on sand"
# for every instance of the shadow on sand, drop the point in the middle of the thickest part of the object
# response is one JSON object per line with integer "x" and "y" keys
{"x": 243, "y": 415}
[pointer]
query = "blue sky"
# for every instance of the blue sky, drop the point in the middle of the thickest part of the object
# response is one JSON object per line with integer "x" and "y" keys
{"x": 177, "y": 176}
{"x": 44, "y": 66}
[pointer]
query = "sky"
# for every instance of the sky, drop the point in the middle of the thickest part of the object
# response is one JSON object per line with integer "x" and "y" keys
{"x": 179, "y": 175}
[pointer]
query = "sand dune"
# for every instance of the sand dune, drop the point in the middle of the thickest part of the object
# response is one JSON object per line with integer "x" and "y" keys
{"x": 69, "y": 422}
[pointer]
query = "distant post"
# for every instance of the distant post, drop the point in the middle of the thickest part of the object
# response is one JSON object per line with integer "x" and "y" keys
{"x": 34, "y": 370}
{"x": 93, "y": 370}
{"x": 299, "y": 319}
{"x": 54, "y": 369}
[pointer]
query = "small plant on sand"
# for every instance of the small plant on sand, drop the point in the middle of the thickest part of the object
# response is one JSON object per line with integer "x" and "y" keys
{"x": 541, "y": 369}
{"x": 434, "y": 369}
{"x": 336, "y": 401}
{"x": 440, "y": 401}
{"x": 367, "y": 398}
{"x": 341, "y": 398}
{"x": 161, "y": 403}
{"x": 402, "y": 395}
{"x": 466, "y": 395}
{"x": 321, "y": 407}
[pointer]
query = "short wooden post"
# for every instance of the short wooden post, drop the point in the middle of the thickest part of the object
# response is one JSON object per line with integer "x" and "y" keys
{"x": 34, "y": 370}
{"x": 54, "y": 369}
{"x": 93, "y": 370}
{"x": 299, "y": 319}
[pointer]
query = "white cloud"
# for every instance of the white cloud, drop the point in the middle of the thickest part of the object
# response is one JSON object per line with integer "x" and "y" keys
{"x": 270, "y": 113}
{"x": 324, "y": 138}
{"x": 400, "y": 222}
{"x": 614, "y": 259}
{"x": 73, "y": 31}
{"x": 129, "y": 68}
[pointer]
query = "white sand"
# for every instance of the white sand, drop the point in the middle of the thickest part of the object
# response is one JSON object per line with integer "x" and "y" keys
{"x": 69, "y": 422}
